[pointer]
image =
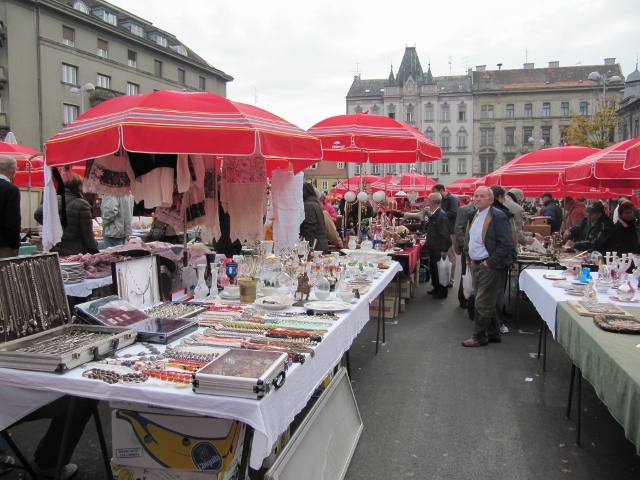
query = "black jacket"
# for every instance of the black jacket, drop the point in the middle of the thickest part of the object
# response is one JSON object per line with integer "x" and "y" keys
{"x": 625, "y": 237}
{"x": 598, "y": 237}
{"x": 312, "y": 228}
{"x": 450, "y": 207}
{"x": 438, "y": 232}
{"x": 554, "y": 214}
{"x": 10, "y": 219}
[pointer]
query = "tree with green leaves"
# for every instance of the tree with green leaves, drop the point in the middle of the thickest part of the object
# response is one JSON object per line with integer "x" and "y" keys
{"x": 592, "y": 131}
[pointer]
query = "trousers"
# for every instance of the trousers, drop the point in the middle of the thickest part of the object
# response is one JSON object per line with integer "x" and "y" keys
{"x": 488, "y": 282}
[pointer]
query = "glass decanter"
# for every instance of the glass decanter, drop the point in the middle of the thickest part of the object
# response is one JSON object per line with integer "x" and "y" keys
{"x": 590, "y": 296}
{"x": 626, "y": 292}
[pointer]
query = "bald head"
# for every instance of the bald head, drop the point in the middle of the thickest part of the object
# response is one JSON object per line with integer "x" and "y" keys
{"x": 8, "y": 166}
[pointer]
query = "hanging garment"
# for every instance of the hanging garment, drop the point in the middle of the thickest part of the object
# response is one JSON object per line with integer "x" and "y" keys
{"x": 108, "y": 176}
{"x": 288, "y": 209}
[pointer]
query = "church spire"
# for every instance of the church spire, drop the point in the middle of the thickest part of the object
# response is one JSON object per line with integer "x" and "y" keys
{"x": 429, "y": 78}
{"x": 392, "y": 78}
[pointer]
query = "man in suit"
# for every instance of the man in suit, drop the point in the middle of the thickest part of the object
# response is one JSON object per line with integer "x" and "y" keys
{"x": 489, "y": 246}
{"x": 10, "y": 220}
{"x": 438, "y": 242}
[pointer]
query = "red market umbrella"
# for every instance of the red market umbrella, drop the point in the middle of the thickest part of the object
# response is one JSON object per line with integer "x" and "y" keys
{"x": 632, "y": 158}
{"x": 463, "y": 186}
{"x": 406, "y": 182}
{"x": 605, "y": 168}
{"x": 17, "y": 151}
{"x": 362, "y": 137}
{"x": 353, "y": 183}
{"x": 181, "y": 123}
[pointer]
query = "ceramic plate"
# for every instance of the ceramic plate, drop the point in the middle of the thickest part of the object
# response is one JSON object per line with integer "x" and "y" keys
{"x": 225, "y": 294}
{"x": 554, "y": 276}
{"x": 574, "y": 293}
{"x": 327, "y": 306}
{"x": 561, "y": 284}
{"x": 618, "y": 299}
{"x": 274, "y": 302}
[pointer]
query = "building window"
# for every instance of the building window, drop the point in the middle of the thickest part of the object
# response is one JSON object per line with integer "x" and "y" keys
{"x": 69, "y": 74}
{"x": 202, "y": 83}
{"x": 81, "y": 7}
{"x": 110, "y": 18}
{"x": 103, "y": 48}
{"x": 375, "y": 169}
{"x": 510, "y": 110}
{"x": 68, "y": 36}
{"x": 392, "y": 111}
{"x": 546, "y": 109}
{"x": 584, "y": 108}
{"x": 325, "y": 185}
{"x": 313, "y": 167}
{"x": 546, "y": 135}
{"x": 181, "y": 76}
{"x": 636, "y": 128}
{"x": 69, "y": 113}
{"x": 486, "y": 163}
{"x": 564, "y": 109}
{"x": 391, "y": 168}
{"x": 462, "y": 112}
{"x": 133, "y": 88}
{"x": 358, "y": 109}
{"x": 527, "y": 133}
{"x": 462, "y": 139}
{"x": 486, "y": 111}
{"x": 510, "y": 136}
{"x": 430, "y": 168}
{"x": 132, "y": 59}
{"x": 445, "y": 165}
{"x": 160, "y": 40}
{"x": 375, "y": 111}
{"x": 462, "y": 165}
{"x": 563, "y": 135}
{"x": 445, "y": 113}
{"x": 357, "y": 170}
{"x": 508, "y": 157}
{"x": 340, "y": 165}
{"x": 103, "y": 81}
{"x": 409, "y": 114}
{"x": 444, "y": 140}
{"x": 136, "y": 30}
{"x": 428, "y": 113}
{"x": 528, "y": 110}
{"x": 486, "y": 136}
{"x": 157, "y": 68}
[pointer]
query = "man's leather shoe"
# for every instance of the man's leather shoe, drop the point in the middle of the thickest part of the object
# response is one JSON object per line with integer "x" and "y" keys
{"x": 68, "y": 471}
{"x": 431, "y": 292}
{"x": 495, "y": 339}
{"x": 450, "y": 285}
{"x": 473, "y": 342}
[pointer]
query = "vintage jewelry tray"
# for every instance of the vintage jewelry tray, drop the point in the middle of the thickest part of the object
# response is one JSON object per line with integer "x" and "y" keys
{"x": 242, "y": 373}
{"x": 32, "y": 297}
{"x": 112, "y": 311}
{"x": 63, "y": 348}
{"x": 137, "y": 282}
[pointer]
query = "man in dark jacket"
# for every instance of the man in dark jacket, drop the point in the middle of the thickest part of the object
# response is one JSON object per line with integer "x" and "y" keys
{"x": 594, "y": 232}
{"x": 312, "y": 228}
{"x": 552, "y": 212}
{"x": 438, "y": 242}
{"x": 10, "y": 221}
{"x": 450, "y": 205}
{"x": 489, "y": 245}
{"x": 625, "y": 237}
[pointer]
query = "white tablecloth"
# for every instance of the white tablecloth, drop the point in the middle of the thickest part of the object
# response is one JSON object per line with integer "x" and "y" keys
{"x": 269, "y": 416}
{"x": 545, "y": 297}
{"x": 85, "y": 287}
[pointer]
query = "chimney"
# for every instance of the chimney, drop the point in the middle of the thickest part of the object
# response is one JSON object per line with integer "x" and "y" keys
{"x": 480, "y": 68}
{"x": 610, "y": 61}
{"x": 499, "y": 66}
{"x": 469, "y": 70}
{"x": 528, "y": 66}
{"x": 554, "y": 64}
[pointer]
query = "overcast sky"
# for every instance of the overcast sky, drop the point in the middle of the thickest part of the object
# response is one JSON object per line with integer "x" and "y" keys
{"x": 297, "y": 59}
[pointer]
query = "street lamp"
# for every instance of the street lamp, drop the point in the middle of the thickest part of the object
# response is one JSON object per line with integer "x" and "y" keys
{"x": 79, "y": 92}
{"x": 535, "y": 141}
{"x": 606, "y": 79}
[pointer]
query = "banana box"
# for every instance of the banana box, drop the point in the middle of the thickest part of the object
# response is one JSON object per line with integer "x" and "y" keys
{"x": 197, "y": 444}
{"x": 123, "y": 472}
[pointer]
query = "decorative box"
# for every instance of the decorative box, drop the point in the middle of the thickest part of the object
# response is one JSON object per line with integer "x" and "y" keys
{"x": 113, "y": 311}
{"x": 137, "y": 282}
{"x": 63, "y": 348}
{"x": 242, "y": 373}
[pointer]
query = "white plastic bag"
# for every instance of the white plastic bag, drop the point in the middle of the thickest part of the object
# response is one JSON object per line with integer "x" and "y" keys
{"x": 467, "y": 284}
{"x": 444, "y": 271}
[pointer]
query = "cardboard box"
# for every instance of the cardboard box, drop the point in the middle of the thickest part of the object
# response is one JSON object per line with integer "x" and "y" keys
{"x": 124, "y": 472}
{"x": 403, "y": 305}
{"x": 195, "y": 444}
{"x": 406, "y": 289}
{"x": 278, "y": 447}
{"x": 390, "y": 308}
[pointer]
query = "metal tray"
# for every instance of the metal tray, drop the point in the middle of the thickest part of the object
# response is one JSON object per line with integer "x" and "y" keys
{"x": 164, "y": 330}
{"x": 102, "y": 347}
{"x": 242, "y": 373}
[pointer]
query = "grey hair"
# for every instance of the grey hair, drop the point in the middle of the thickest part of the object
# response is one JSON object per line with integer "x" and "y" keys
{"x": 519, "y": 194}
{"x": 7, "y": 163}
{"x": 488, "y": 190}
{"x": 435, "y": 198}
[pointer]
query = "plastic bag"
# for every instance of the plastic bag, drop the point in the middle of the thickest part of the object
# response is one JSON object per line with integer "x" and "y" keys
{"x": 444, "y": 271}
{"x": 467, "y": 284}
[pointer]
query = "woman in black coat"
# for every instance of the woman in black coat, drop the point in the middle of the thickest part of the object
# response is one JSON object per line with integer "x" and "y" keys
{"x": 625, "y": 236}
{"x": 312, "y": 228}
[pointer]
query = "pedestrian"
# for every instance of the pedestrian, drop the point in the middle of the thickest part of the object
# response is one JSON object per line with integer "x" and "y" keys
{"x": 458, "y": 230}
{"x": 595, "y": 232}
{"x": 616, "y": 212}
{"x": 439, "y": 243}
{"x": 450, "y": 205}
{"x": 117, "y": 213}
{"x": 625, "y": 237}
{"x": 552, "y": 211}
{"x": 312, "y": 228}
{"x": 512, "y": 201}
{"x": 489, "y": 245}
{"x": 10, "y": 219}
{"x": 576, "y": 211}
{"x": 327, "y": 206}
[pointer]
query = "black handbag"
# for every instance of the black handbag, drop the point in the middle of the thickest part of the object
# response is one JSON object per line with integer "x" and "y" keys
{"x": 157, "y": 233}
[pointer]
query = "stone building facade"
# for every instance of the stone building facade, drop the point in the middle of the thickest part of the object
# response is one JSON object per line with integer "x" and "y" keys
{"x": 48, "y": 47}
{"x": 629, "y": 110}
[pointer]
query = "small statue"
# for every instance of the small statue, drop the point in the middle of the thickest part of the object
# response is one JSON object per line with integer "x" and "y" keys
{"x": 304, "y": 287}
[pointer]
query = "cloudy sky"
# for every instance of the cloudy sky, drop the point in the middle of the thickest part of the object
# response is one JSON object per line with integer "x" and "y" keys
{"x": 297, "y": 59}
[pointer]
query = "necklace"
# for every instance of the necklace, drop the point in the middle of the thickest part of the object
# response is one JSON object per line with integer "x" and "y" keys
{"x": 141, "y": 290}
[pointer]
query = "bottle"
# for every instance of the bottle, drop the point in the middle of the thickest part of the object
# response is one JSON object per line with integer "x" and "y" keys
{"x": 626, "y": 292}
{"x": 586, "y": 275}
{"x": 590, "y": 294}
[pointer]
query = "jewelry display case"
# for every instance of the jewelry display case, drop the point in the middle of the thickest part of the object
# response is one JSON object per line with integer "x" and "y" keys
{"x": 137, "y": 282}
{"x": 242, "y": 373}
{"x": 112, "y": 311}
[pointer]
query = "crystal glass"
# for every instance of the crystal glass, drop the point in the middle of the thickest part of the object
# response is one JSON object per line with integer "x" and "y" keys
{"x": 590, "y": 294}
{"x": 231, "y": 269}
{"x": 322, "y": 288}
